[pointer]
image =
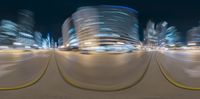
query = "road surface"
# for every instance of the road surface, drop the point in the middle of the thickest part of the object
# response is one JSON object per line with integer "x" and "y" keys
{"x": 91, "y": 81}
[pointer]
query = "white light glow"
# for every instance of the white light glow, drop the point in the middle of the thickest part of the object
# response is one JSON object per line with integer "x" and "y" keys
{"x": 87, "y": 43}
{"x": 27, "y": 47}
{"x": 172, "y": 45}
{"x": 35, "y": 45}
{"x": 4, "y": 47}
{"x": 61, "y": 46}
{"x": 192, "y": 44}
{"x": 120, "y": 43}
{"x": 184, "y": 47}
{"x": 17, "y": 43}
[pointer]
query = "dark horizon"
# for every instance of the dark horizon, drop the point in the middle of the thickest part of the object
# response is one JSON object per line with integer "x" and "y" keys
{"x": 49, "y": 15}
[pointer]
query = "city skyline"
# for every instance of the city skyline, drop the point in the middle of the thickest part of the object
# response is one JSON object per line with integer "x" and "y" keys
{"x": 20, "y": 34}
{"x": 49, "y": 18}
{"x": 26, "y": 33}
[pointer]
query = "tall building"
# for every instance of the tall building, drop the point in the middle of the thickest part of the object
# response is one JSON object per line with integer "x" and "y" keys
{"x": 158, "y": 35}
{"x": 26, "y": 21}
{"x": 102, "y": 28}
{"x": 150, "y": 35}
{"x": 69, "y": 35}
{"x": 20, "y": 34}
{"x": 8, "y": 32}
{"x": 26, "y": 25}
{"x": 161, "y": 31}
{"x": 171, "y": 36}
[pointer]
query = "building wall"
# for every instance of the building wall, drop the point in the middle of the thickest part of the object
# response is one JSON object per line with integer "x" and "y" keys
{"x": 8, "y": 32}
{"x": 102, "y": 26}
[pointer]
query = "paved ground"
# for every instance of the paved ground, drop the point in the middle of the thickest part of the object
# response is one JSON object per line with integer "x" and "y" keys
{"x": 183, "y": 68}
{"x": 29, "y": 67}
{"x": 103, "y": 71}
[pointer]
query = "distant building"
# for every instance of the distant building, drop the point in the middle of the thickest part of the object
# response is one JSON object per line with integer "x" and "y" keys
{"x": 60, "y": 41}
{"x": 150, "y": 35}
{"x": 171, "y": 37}
{"x": 38, "y": 38}
{"x": 21, "y": 34}
{"x": 44, "y": 44}
{"x": 48, "y": 41}
{"x": 159, "y": 35}
{"x": 52, "y": 43}
{"x": 193, "y": 36}
{"x": 55, "y": 45}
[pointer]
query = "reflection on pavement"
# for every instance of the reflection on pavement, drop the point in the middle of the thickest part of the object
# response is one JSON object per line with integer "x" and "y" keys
{"x": 102, "y": 71}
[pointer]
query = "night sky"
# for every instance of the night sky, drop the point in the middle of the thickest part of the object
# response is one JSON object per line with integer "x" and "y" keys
{"x": 50, "y": 14}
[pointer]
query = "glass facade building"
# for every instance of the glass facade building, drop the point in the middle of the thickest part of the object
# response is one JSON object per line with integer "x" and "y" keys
{"x": 20, "y": 34}
{"x": 69, "y": 34}
{"x": 150, "y": 35}
{"x": 26, "y": 25}
{"x": 8, "y": 32}
{"x": 160, "y": 35}
{"x": 102, "y": 28}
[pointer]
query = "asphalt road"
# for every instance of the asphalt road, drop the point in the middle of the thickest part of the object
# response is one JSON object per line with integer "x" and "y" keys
{"x": 70, "y": 75}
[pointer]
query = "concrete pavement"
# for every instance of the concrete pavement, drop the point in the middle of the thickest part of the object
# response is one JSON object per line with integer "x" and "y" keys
{"x": 52, "y": 86}
{"x": 106, "y": 72}
{"x": 181, "y": 68}
{"x": 21, "y": 69}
